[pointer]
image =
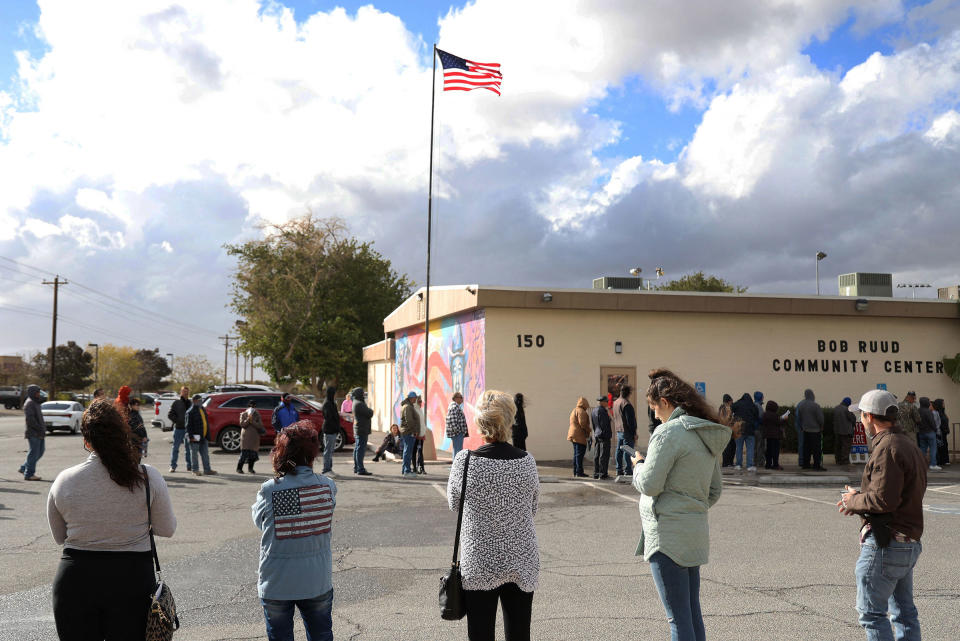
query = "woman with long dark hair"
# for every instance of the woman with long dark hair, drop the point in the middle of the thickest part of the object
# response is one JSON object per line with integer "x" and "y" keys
{"x": 678, "y": 482}
{"x": 294, "y": 511}
{"x": 98, "y": 511}
{"x": 518, "y": 431}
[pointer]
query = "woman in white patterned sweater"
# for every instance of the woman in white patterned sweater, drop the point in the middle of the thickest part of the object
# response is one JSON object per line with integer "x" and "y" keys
{"x": 499, "y": 558}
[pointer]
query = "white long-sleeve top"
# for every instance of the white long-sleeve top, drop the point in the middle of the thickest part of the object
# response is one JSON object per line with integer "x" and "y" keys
{"x": 498, "y": 543}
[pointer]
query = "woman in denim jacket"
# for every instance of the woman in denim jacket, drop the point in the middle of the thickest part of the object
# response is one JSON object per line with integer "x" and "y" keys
{"x": 294, "y": 511}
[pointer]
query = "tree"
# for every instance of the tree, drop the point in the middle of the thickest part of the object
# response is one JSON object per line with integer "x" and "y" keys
{"x": 119, "y": 366}
{"x": 154, "y": 369}
{"x": 311, "y": 298}
{"x": 74, "y": 367}
{"x": 700, "y": 282}
{"x": 194, "y": 371}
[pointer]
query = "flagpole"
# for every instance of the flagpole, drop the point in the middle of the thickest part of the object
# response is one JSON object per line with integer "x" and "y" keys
{"x": 426, "y": 325}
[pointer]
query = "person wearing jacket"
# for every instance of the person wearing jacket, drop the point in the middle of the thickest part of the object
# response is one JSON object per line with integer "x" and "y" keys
{"x": 760, "y": 441}
{"x": 35, "y": 433}
{"x": 579, "y": 434}
{"x": 135, "y": 421}
{"x": 97, "y": 510}
{"x": 927, "y": 433}
{"x": 746, "y": 412}
{"x": 679, "y": 481}
{"x": 455, "y": 425}
{"x": 909, "y": 417}
{"x": 772, "y": 426}
{"x": 409, "y": 430}
{"x": 392, "y": 447}
{"x": 890, "y": 504}
{"x": 251, "y": 429}
{"x": 843, "y": 424}
{"x": 177, "y": 415}
{"x": 284, "y": 413}
{"x": 810, "y": 424}
{"x": 331, "y": 428}
{"x": 519, "y": 429}
{"x": 943, "y": 453}
{"x": 198, "y": 430}
{"x": 725, "y": 414}
{"x": 294, "y": 512}
{"x": 625, "y": 426}
{"x": 602, "y": 433}
{"x": 418, "y": 462}
{"x": 361, "y": 430}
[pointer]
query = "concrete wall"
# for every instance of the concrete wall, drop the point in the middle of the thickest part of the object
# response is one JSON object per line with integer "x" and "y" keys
{"x": 380, "y": 394}
{"x": 731, "y": 353}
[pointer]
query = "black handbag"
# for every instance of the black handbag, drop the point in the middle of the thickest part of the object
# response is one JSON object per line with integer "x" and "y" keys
{"x": 453, "y": 605}
{"x": 162, "y": 619}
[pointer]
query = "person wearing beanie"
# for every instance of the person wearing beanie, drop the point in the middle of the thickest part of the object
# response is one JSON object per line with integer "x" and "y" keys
{"x": 843, "y": 423}
{"x": 122, "y": 402}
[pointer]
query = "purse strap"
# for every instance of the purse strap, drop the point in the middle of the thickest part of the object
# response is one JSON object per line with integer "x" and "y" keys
{"x": 153, "y": 544}
{"x": 463, "y": 493}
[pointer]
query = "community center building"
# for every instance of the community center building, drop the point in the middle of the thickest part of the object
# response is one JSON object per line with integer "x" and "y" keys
{"x": 555, "y": 345}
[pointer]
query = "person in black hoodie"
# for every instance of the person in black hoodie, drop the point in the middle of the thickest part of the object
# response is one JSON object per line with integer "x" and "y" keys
{"x": 772, "y": 426}
{"x": 519, "y": 429}
{"x": 331, "y": 428}
{"x": 943, "y": 452}
{"x": 746, "y": 411}
{"x": 602, "y": 433}
{"x": 927, "y": 433}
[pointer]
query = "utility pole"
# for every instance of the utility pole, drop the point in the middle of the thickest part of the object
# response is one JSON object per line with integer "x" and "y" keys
{"x": 56, "y": 282}
{"x": 236, "y": 362}
{"x": 226, "y": 338}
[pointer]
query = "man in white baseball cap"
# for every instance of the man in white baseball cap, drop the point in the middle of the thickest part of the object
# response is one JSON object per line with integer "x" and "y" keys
{"x": 890, "y": 504}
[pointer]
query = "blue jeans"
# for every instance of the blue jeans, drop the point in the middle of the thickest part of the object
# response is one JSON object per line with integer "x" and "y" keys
{"x": 578, "y": 453}
{"x": 624, "y": 461}
{"x": 749, "y": 441}
{"x": 409, "y": 445}
{"x": 36, "y": 446}
{"x": 679, "y": 590}
{"x": 316, "y": 614}
{"x": 200, "y": 453}
{"x": 179, "y": 436}
{"x": 359, "y": 449}
{"x": 457, "y": 442}
{"x": 329, "y": 445}
{"x": 885, "y": 584}
{"x": 928, "y": 441}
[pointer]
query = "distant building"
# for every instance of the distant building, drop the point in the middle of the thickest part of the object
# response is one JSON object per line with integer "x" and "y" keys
{"x": 12, "y": 369}
{"x": 863, "y": 284}
{"x": 949, "y": 293}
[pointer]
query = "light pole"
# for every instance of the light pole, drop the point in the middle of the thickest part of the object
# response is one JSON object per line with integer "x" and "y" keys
{"x": 820, "y": 256}
{"x": 96, "y": 364}
{"x": 913, "y": 287}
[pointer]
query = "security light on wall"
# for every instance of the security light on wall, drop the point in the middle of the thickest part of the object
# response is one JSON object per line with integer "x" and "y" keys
{"x": 862, "y": 304}
{"x": 618, "y": 348}
{"x": 547, "y": 297}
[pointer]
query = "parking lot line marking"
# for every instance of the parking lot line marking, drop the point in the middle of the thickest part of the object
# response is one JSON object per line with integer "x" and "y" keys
{"x": 440, "y": 488}
{"x": 609, "y": 491}
{"x": 796, "y": 496}
{"x": 940, "y": 489}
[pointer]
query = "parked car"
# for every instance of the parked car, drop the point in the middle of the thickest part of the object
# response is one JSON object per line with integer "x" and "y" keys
{"x": 10, "y": 397}
{"x": 240, "y": 387}
{"x": 161, "y": 407}
{"x": 147, "y": 398}
{"x": 224, "y": 409}
{"x": 62, "y": 415}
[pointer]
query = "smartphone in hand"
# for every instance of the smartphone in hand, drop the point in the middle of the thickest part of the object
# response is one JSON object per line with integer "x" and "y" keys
{"x": 629, "y": 450}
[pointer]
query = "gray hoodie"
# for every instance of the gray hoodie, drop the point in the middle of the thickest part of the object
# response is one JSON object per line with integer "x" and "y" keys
{"x": 33, "y": 414}
{"x": 809, "y": 413}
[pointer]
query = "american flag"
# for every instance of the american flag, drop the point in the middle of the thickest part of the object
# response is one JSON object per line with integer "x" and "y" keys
{"x": 302, "y": 511}
{"x": 460, "y": 74}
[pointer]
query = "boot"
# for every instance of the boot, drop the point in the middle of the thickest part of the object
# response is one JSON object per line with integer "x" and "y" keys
{"x": 239, "y": 470}
{"x": 250, "y": 469}
{"x": 376, "y": 458}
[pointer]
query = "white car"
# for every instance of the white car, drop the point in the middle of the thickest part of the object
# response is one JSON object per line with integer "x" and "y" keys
{"x": 62, "y": 415}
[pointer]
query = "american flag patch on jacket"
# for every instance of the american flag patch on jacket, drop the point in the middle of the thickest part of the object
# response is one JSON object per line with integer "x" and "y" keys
{"x": 302, "y": 511}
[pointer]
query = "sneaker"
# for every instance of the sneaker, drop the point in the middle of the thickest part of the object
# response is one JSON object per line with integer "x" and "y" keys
{"x": 935, "y": 468}
{"x": 211, "y": 472}
{"x": 752, "y": 468}
{"x": 621, "y": 478}
{"x": 197, "y": 473}
{"x": 239, "y": 470}
{"x": 737, "y": 468}
{"x": 171, "y": 470}
{"x": 820, "y": 469}
{"x": 32, "y": 478}
{"x": 604, "y": 477}
{"x": 409, "y": 475}
{"x": 364, "y": 473}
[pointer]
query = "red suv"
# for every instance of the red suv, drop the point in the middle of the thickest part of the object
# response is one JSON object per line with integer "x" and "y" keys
{"x": 224, "y": 409}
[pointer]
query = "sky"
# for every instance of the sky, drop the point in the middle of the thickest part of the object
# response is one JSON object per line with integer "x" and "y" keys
{"x": 738, "y": 138}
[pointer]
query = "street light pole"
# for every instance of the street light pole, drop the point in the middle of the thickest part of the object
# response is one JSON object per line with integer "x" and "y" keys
{"x": 820, "y": 256}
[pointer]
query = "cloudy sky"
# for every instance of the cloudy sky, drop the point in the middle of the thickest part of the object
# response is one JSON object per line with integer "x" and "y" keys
{"x": 739, "y": 138}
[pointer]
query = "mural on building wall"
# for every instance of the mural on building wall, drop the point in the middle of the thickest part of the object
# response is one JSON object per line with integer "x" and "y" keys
{"x": 456, "y": 364}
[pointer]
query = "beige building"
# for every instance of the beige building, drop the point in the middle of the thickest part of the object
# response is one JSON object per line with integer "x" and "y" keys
{"x": 556, "y": 345}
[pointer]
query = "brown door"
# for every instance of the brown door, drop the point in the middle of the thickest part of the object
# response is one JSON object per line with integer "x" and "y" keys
{"x": 612, "y": 378}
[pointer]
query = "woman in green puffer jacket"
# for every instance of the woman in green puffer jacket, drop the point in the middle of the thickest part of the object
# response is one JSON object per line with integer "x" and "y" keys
{"x": 678, "y": 482}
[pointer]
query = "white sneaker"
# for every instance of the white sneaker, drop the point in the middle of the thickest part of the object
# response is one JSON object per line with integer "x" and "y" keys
{"x": 409, "y": 475}
{"x": 752, "y": 468}
{"x": 935, "y": 468}
{"x": 737, "y": 468}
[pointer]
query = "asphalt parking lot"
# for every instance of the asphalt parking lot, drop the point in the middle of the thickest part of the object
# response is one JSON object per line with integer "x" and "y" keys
{"x": 781, "y": 557}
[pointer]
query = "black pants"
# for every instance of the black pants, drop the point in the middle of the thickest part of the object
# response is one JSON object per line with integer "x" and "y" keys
{"x": 943, "y": 451}
{"x": 249, "y": 457}
{"x": 482, "y": 613}
{"x": 841, "y": 448}
{"x": 417, "y": 458}
{"x": 101, "y": 596}
{"x": 811, "y": 448}
{"x": 772, "y": 456}
{"x": 601, "y": 460}
{"x": 729, "y": 452}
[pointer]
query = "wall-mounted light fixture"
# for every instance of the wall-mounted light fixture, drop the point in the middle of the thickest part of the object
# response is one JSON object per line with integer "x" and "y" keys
{"x": 618, "y": 348}
{"x": 419, "y": 295}
{"x": 471, "y": 290}
{"x": 547, "y": 297}
{"x": 862, "y": 304}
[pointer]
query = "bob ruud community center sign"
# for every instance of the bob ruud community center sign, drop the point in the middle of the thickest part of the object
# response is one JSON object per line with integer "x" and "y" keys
{"x": 860, "y": 357}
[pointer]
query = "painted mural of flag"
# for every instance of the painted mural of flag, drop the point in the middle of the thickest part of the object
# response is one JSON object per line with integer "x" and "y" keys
{"x": 460, "y": 74}
{"x": 302, "y": 511}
